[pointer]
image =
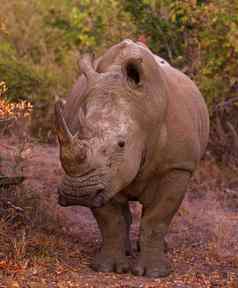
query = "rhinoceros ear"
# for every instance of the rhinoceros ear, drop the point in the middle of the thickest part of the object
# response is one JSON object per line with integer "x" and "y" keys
{"x": 133, "y": 71}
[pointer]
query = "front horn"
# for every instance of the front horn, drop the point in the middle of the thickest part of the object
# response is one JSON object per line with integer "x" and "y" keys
{"x": 64, "y": 135}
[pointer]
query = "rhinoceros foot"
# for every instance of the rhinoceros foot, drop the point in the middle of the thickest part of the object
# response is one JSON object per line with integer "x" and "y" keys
{"x": 151, "y": 266}
{"x": 110, "y": 261}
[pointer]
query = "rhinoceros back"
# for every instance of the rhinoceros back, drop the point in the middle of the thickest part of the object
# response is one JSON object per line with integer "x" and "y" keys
{"x": 184, "y": 91}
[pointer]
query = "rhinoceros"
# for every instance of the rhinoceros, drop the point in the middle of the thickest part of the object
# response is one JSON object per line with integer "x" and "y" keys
{"x": 133, "y": 129}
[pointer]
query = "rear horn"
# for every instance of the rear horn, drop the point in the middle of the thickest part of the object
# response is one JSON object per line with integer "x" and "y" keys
{"x": 86, "y": 67}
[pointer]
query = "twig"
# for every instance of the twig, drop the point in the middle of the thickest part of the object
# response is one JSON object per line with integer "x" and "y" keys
{"x": 7, "y": 146}
{"x": 6, "y": 120}
{"x": 234, "y": 134}
{"x": 19, "y": 209}
{"x": 5, "y": 181}
{"x": 224, "y": 104}
{"x": 220, "y": 131}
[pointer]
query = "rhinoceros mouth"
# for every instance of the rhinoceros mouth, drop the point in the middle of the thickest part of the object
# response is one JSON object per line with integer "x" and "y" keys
{"x": 92, "y": 195}
{"x": 95, "y": 202}
{"x": 71, "y": 201}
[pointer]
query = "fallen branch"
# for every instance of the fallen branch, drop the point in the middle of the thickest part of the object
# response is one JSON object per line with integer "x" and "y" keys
{"x": 234, "y": 135}
{"x": 220, "y": 131}
{"x": 7, "y": 146}
{"x": 224, "y": 104}
{"x": 7, "y": 121}
{"x": 7, "y": 181}
{"x": 18, "y": 209}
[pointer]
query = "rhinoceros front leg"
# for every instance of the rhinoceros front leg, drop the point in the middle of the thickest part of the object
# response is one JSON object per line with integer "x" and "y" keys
{"x": 113, "y": 223}
{"x": 160, "y": 203}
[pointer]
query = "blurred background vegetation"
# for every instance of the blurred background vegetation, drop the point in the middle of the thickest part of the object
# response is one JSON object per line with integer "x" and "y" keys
{"x": 41, "y": 40}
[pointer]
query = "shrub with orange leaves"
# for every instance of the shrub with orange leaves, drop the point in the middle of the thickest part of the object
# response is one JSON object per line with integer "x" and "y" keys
{"x": 13, "y": 110}
{"x": 3, "y": 26}
{"x": 3, "y": 88}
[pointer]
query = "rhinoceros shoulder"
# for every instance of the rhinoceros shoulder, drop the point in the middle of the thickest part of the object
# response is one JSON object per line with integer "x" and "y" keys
{"x": 186, "y": 107}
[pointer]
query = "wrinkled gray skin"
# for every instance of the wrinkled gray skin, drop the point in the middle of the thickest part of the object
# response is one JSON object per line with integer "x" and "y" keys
{"x": 133, "y": 128}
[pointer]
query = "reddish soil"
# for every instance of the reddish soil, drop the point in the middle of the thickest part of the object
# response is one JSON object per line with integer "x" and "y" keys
{"x": 202, "y": 239}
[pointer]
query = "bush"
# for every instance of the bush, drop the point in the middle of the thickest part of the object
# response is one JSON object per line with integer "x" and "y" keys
{"x": 39, "y": 55}
{"x": 25, "y": 81}
{"x": 42, "y": 40}
{"x": 29, "y": 61}
{"x": 3, "y": 88}
{"x": 199, "y": 37}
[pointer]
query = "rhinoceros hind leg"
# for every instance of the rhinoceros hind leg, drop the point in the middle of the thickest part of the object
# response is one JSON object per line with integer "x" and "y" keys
{"x": 128, "y": 219}
{"x": 160, "y": 203}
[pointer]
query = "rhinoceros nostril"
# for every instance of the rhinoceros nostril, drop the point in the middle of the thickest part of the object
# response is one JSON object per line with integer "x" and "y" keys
{"x": 121, "y": 143}
{"x": 99, "y": 198}
{"x": 62, "y": 201}
{"x": 99, "y": 191}
{"x": 59, "y": 190}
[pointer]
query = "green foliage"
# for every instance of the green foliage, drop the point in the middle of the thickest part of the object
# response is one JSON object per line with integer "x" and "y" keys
{"x": 218, "y": 49}
{"x": 25, "y": 81}
{"x": 40, "y": 41}
{"x": 91, "y": 24}
{"x": 197, "y": 36}
{"x": 154, "y": 22}
{"x": 39, "y": 54}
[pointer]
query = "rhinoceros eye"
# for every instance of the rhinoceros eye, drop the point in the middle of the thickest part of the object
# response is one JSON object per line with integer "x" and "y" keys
{"x": 121, "y": 143}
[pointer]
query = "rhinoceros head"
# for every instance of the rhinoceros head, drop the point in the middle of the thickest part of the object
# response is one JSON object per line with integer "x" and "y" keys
{"x": 114, "y": 117}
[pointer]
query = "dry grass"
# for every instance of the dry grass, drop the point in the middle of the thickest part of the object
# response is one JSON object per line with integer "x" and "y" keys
{"x": 42, "y": 245}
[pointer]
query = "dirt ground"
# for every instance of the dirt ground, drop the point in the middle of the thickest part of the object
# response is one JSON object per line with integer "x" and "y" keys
{"x": 50, "y": 246}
